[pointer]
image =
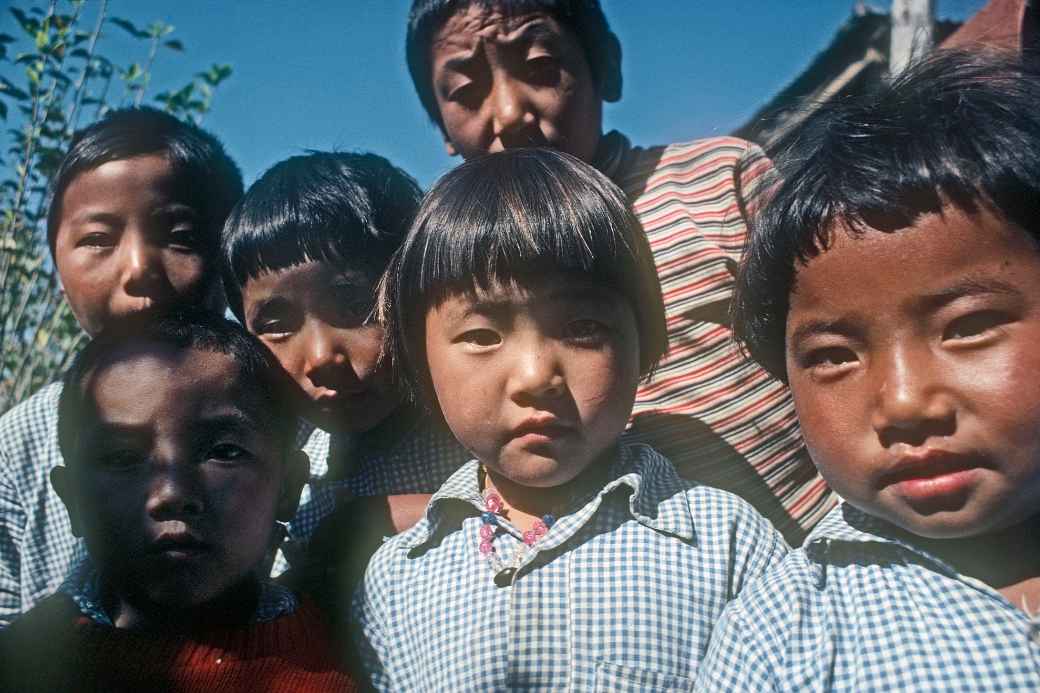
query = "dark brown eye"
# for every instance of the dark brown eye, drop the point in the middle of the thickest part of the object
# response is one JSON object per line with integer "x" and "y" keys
{"x": 975, "y": 324}
{"x": 480, "y": 337}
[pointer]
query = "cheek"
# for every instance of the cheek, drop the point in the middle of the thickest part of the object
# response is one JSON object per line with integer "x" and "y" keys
{"x": 189, "y": 274}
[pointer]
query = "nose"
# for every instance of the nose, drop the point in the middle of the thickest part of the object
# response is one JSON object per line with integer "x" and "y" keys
{"x": 322, "y": 350}
{"x": 511, "y": 106}
{"x": 141, "y": 262}
{"x": 536, "y": 374}
{"x": 175, "y": 492}
{"x": 912, "y": 404}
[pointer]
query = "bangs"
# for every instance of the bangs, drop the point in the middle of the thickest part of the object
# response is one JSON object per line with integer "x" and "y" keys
{"x": 517, "y": 216}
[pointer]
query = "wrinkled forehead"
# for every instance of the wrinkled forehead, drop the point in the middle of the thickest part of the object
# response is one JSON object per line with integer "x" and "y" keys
{"x": 475, "y": 23}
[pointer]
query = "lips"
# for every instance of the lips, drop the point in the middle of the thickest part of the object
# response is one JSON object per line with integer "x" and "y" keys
{"x": 542, "y": 426}
{"x": 178, "y": 544}
{"x": 933, "y": 475}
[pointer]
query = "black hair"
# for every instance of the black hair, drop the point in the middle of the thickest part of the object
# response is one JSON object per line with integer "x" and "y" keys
{"x": 960, "y": 128}
{"x": 325, "y": 206}
{"x": 210, "y": 179}
{"x": 516, "y": 216}
{"x": 584, "y": 19}
{"x": 185, "y": 329}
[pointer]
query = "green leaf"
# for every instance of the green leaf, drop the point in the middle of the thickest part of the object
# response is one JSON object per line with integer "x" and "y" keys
{"x": 215, "y": 74}
{"x": 3, "y": 111}
{"x": 129, "y": 28}
{"x": 6, "y": 38}
{"x": 8, "y": 89}
{"x": 28, "y": 24}
{"x": 175, "y": 45}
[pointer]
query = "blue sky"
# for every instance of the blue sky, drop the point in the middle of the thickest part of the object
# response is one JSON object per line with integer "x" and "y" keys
{"x": 331, "y": 73}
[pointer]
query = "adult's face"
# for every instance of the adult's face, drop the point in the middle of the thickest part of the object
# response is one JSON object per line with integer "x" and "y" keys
{"x": 504, "y": 81}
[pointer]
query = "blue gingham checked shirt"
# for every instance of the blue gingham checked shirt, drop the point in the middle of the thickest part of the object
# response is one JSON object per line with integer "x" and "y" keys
{"x": 620, "y": 595}
{"x": 859, "y": 609}
{"x": 37, "y": 549}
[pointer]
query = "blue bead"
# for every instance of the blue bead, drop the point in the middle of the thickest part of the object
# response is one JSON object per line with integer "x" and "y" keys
{"x": 549, "y": 520}
{"x": 489, "y": 518}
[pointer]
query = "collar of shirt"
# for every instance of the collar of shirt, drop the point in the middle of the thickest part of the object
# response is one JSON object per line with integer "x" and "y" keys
{"x": 846, "y": 529}
{"x": 611, "y": 152}
{"x": 649, "y": 478}
{"x": 85, "y": 587}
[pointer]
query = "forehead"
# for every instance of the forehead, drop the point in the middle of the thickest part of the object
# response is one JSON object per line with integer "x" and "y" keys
{"x": 112, "y": 178}
{"x": 473, "y": 24}
{"x": 142, "y": 383}
{"x": 897, "y": 268}
{"x": 306, "y": 279}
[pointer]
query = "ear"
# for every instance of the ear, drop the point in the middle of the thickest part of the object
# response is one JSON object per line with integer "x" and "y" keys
{"x": 610, "y": 71}
{"x": 63, "y": 486}
{"x": 297, "y": 470}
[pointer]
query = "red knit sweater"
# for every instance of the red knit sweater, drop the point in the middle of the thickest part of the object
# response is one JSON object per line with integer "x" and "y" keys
{"x": 55, "y": 648}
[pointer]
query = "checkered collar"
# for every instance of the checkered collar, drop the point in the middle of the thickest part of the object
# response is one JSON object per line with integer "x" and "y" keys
{"x": 846, "y": 526}
{"x": 85, "y": 587}
{"x": 649, "y": 478}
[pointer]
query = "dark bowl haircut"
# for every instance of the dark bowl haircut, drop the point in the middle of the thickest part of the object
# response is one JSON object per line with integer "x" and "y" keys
{"x": 583, "y": 18}
{"x": 269, "y": 390}
{"x": 348, "y": 209}
{"x": 517, "y": 216}
{"x": 956, "y": 128}
{"x": 206, "y": 176}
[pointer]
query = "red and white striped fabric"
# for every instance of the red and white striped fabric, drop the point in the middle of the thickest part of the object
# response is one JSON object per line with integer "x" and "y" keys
{"x": 717, "y": 415}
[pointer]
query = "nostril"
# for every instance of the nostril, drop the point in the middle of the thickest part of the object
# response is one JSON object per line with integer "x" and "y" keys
{"x": 916, "y": 433}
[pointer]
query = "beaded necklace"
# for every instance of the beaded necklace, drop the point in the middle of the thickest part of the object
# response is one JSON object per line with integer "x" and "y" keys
{"x": 489, "y": 528}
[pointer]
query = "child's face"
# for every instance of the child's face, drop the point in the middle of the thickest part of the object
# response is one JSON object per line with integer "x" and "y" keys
{"x": 521, "y": 81}
{"x": 536, "y": 381}
{"x": 315, "y": 319}
{"x": 128, "y": 242}
{"x": 914, "y": 363}
{"x": 180, "y": 479}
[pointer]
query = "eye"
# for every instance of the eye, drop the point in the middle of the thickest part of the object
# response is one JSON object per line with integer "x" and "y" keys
{"x": 586, "y": 331}
{"x": 185, "y": 238}
{"x": 97, "y": 239}
{"x": 480, "y": 338}
{"x": 975, "y": 326}
{"x": 228, "y": 453}
{"x": 829, "y": 360}
{"x": 119, "y": 459}
{"x": 350, "y": 307}
{"x": 466, "y": 95}
{"x": 543, "y": 70}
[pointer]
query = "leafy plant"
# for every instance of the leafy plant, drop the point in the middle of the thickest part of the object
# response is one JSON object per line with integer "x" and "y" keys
{"x": 59, "y": 79}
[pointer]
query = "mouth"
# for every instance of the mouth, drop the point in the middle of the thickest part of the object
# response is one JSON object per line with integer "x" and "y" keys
{"x": 178, "y": 545}
{"x": 541, "y": 429}
{"x": 933, "y": 474}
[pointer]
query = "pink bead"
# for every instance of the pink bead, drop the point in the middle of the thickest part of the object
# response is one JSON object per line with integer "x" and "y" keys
{"x": 539, "y": 528}
{"x": 530, "y": 538}
{"x": 486, "y": 547}
{"x": 486, "y": 532}
{"x": 493, "y": 503}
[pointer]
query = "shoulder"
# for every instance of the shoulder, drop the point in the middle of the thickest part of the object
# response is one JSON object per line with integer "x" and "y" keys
{"x": 32, "y": 418}
{"x": 701, "y": 156}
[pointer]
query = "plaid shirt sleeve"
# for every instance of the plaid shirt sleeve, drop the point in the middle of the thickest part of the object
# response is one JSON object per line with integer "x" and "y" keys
{"x": 370, "y": 635}
{"x": 736, "y": 660}
{"x": 12, "y": 525}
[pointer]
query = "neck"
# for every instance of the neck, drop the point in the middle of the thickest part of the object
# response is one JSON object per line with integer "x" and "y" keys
{"x": 1007, "y": 560}
{"x": 525, "y": 505}
{"x": 234, "y": 607}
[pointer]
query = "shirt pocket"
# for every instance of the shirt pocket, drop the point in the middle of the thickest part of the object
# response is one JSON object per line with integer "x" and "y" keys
{"x": 619, "y": 679}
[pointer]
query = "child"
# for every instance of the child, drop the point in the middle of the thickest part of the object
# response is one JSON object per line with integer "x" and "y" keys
{"x": 180, "y": 457}
{"x": 303, "y": 252}
{"x": 137, "y": 204}
{"x": 524, "y": 307}
{"x": 894, "y": 281}
{"x": 496, "y": 74}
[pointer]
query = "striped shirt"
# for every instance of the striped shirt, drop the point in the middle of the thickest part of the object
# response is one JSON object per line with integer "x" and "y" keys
{"x": 621, "y": 594}
{"x": 861, "y": 609}
{"x": 718, "y": 416}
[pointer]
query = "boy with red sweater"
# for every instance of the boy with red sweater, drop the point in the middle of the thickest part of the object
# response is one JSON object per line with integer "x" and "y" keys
{"x": 179, "y": 466}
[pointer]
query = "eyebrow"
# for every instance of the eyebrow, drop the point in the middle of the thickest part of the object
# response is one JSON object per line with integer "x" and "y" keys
{"x": 842, "y": 326}
{"x": 535, "y": 30}
{"x": 966, "y": 287}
